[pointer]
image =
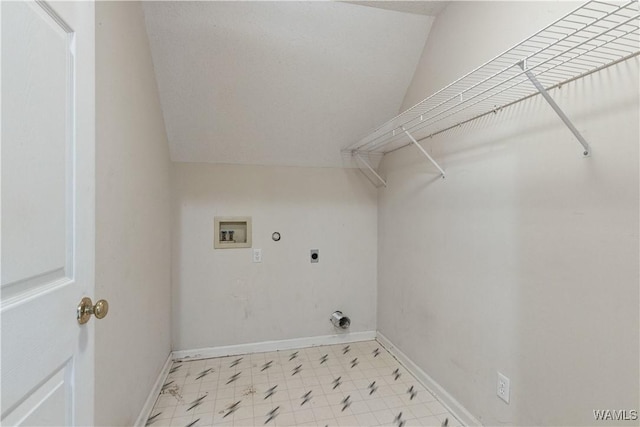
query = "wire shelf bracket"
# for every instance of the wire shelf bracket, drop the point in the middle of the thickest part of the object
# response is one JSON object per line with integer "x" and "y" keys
{"x": 371, "y": 169}
{"x": 424, "y": 152}
{"x": 594, "y": 36}
{"x": 556, "y": 108}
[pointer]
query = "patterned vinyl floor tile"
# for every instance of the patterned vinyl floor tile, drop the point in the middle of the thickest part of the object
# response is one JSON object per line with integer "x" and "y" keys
{"x": 358, "y": 384}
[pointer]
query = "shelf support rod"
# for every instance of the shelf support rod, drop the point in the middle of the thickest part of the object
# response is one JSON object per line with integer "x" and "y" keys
{"x": 423, "y": 151}
{"x": 556, "y": 108}
{"x": 370, "y": 168}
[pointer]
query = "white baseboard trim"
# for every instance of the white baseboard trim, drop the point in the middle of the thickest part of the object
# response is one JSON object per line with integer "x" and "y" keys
{"x": 448, "y": 401}
{"x": 153, "y": 394}
{"x": 260, "y": 347}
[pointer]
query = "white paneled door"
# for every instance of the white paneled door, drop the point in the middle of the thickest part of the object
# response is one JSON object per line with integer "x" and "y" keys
{"x": 47, "y": 224}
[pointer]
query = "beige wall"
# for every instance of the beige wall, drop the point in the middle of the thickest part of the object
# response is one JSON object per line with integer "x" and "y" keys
{"x": 132, "y": 217}
{"x": 524, "y": 260}
{"x": 220, "y": 297}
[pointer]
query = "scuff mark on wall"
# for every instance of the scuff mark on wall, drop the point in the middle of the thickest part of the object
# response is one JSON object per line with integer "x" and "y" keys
{"x": 241, "y": 294}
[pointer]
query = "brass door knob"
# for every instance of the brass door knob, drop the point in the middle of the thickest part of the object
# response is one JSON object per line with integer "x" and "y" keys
{"x": 86, "y": 309}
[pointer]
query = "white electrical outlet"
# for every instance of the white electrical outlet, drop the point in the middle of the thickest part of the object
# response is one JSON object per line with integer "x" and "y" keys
{"x": 257, "y": 255}
{"x": 504, "y": 387}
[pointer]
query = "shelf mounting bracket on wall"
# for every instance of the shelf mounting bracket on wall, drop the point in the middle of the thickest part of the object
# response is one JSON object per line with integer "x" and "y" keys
{"x": 370, "y": 168}
{"x": 423, "y": 151}
{"x": 556, "y": 107}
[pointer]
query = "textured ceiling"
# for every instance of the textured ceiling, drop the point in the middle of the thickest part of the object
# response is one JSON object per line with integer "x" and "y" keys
{"x": 278, "y": 83}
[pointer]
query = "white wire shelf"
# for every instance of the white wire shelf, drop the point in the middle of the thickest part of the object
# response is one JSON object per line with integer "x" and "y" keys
{"x": 590, "y": 38}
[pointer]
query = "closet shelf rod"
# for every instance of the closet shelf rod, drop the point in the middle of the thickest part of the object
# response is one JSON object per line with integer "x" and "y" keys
{"x": 596, "y": 35}
{"x": 496, "y": 110}
{"x": 435, "y": 117}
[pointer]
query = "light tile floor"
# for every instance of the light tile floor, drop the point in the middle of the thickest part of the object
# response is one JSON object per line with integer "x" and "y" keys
{"x": 359, "y": 384}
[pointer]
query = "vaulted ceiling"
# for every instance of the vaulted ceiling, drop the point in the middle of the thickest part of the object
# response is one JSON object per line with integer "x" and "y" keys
{"x": 281, "y": 83}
